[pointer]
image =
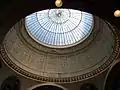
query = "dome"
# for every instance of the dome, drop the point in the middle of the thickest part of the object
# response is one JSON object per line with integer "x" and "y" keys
{"x": 26, "y": 54}
{"x": 59, "y": 28}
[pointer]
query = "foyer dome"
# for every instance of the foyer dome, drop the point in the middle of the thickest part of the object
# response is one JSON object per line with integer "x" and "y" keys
{"x": 59, "y": 28}
{"x": 26, "y": 48}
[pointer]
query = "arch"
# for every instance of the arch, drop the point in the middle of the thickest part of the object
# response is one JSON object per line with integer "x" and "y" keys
{"x": 112, "y": 79}
{"x": 10, "y": 83}
{"x": 47, "y": 84}
{"x": 88, "y": 86}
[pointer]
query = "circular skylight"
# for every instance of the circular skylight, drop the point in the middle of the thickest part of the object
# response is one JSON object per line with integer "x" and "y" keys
{"x": 59, "y": 28}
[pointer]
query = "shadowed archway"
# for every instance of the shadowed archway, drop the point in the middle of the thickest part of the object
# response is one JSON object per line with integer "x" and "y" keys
{"x": 10, "y": 83}
{"x": 113, "y": 78}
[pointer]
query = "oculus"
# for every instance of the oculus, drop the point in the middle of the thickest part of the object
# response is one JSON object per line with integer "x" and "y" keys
{"x": 59, "y": 28}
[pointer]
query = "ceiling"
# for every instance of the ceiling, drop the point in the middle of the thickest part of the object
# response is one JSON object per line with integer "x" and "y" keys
{"x": 67, "y": 65}
{"x": 13, "y": 10}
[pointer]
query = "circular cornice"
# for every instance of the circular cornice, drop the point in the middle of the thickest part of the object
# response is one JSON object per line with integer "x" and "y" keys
{"x": 68, "y": 79}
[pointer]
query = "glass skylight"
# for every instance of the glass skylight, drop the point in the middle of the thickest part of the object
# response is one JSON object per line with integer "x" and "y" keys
{"x": 59, "y": 28}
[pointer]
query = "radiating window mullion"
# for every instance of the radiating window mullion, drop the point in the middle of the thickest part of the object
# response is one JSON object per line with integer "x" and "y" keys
{"x": 50, "y": 38}
{"x": 71, "y": 35}
{"x": 47, "y": 37}
{"x": 36, "y": 34}
{"x": 60, "y": 37}
{"x": 76, "y": 35}
{"x": 58, "y": 28}
{"x": 35, "y": 30}
{"x": 42, "y": 32}
{"x": 43, "y": 23}
{"x": 39, "y": 17}
{"x": 69, "y": 39}
{"x": 79, "y": 32}
{"x": 85, "y": 28}
{"x": 34, "y": 26}
{"x": 50, "y": 25}
{"x": 46, "y": 26}
{"x": 54, "y": 39}
{"x": 30, "y": 23}
{"x": 43, "y": 35}
{"x": 64, "y": 39}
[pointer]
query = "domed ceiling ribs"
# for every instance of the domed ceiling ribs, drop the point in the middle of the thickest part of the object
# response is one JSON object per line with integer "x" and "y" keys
{"x": 41, "y": 65}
